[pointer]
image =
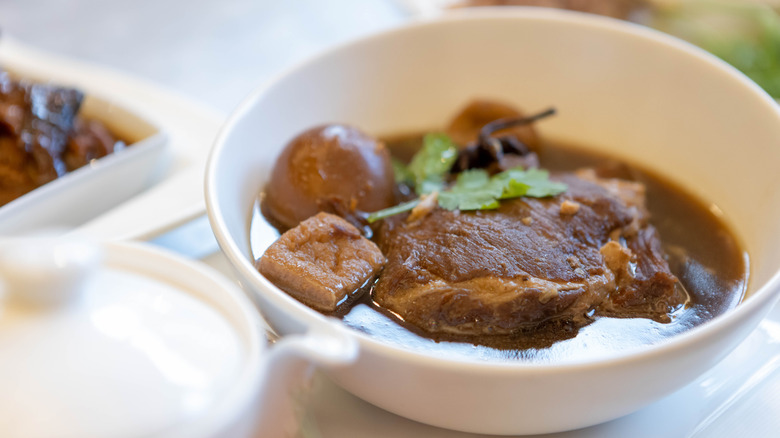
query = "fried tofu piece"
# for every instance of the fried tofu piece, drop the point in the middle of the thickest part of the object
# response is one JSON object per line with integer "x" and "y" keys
{"x": 321, "y": 262}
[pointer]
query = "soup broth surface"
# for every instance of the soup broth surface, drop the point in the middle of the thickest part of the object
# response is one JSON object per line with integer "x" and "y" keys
{"x": 701, "y": 251}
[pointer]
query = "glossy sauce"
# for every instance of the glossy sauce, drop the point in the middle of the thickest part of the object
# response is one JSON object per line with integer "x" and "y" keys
{"x": 701, "y": 250}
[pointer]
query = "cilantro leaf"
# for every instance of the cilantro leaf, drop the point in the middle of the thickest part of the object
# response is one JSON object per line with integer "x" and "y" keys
{"x": 473, "y": 189}
{"x": 533, "y": 183}
{"x": 472, "y": 179}
{"x": 401, "y": 172}
{"x": 478, "y": 200}
{"x": 476, "y": 190}
{"x": 392, "y": 211}
{"x": 432, "y": 163}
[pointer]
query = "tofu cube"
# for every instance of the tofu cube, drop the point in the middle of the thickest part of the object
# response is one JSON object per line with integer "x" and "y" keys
{"x": 321, "y": 262}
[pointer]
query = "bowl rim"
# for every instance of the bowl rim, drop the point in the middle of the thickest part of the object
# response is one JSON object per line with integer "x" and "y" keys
{"x": 763, "y": 297}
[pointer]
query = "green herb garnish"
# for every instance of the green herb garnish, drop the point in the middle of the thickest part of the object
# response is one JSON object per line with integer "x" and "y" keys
{"x": 473, "y": 189}
{"x": 392, "y": 211}
{"x": 401, "y": 172}
{"x": 534, "y": 183}
{"x": 432, "y": 163}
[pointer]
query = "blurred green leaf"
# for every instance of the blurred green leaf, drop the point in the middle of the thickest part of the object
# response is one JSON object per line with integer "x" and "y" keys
{"x": 746, "y": 35}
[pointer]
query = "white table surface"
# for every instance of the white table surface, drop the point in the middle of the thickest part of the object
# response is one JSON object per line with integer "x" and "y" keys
{"x": 216, "y": 52}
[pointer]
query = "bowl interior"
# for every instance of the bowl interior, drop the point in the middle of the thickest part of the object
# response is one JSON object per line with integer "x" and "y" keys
{"x": 620, "y": 89}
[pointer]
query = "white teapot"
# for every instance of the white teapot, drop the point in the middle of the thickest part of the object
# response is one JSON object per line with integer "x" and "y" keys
{"x": 126, "y": 340}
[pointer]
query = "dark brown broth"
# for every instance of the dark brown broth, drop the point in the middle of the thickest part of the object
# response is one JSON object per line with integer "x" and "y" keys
{"x": 701, "y": 251}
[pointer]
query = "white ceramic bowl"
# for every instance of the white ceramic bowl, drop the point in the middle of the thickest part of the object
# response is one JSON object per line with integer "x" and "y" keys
{"x": 620, "y": 89}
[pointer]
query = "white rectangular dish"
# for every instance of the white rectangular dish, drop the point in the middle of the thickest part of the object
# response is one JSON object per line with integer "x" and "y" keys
{"x": 100, "y": 185}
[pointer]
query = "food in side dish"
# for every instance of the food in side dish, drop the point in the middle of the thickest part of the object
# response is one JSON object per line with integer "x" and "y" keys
{"x": 43, "y": 137}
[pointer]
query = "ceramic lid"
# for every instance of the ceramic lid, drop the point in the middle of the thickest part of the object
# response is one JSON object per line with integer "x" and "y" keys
{"x": 118, "y": 340}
